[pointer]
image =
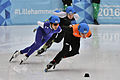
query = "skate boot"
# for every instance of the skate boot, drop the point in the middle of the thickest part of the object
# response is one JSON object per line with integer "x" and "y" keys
{"x": 50, "y": 65}
{"x": 16, "y": 53}
{"x": 24, "y": 58}
{"x": 40, "y": 52}
{"x": 96, "y": 22}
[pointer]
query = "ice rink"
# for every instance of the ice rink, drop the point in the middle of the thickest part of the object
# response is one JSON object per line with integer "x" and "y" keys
{"x": 99, "y": 56}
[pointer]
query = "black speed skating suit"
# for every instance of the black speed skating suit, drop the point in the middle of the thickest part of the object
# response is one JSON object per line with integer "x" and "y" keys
{"x": 69, "y": 40}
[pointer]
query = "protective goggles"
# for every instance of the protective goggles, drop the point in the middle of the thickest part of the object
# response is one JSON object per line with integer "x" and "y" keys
{"x": 56, "y": 24}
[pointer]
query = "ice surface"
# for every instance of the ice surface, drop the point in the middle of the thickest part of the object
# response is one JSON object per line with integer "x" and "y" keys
{"x": 99, "y": 56}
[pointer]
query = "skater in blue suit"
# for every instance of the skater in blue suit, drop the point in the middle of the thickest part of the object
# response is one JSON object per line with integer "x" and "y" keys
{"x": 43, "y": 34}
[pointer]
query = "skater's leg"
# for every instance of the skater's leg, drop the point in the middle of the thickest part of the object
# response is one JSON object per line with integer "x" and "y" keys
{"x": 67, "y": 3}
{"x": 26, "y": 50}
{"x": 75, "y": 45}
{"x": 95, "y": 12}
{"x": 39, "y": 34}
{"x": 60, "y": 55}
{"x": 39, "y": 41}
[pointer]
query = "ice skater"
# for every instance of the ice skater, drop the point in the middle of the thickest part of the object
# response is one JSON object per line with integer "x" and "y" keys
{"x": 67, "y": 18}
{"x": 71, "y": 39}
{"x": 43, "y": 34}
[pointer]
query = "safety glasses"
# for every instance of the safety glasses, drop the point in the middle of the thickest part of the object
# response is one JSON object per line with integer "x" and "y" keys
{"x": 55, "y": 24}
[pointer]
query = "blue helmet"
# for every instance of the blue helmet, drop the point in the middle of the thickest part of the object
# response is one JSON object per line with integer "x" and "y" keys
{"x": 54, "y": 19}
{"x": 83, "y": 28}
{"x": 57, "y": 11}
{"x": 70, "y": 10}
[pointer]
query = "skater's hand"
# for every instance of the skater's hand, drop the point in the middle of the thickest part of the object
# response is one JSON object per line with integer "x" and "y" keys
{"x": 70, "y": 26}
{"x": 34, "y": 30}
{"x": 41, "y": 24}
{"x": 84, "y": 38}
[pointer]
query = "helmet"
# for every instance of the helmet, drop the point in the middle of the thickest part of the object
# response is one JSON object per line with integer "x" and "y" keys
{"x": 54, "y": 19}
{"x": 57, "y": 11}
{"x": 70, "y": 10}
{"x": 83, "y": 28}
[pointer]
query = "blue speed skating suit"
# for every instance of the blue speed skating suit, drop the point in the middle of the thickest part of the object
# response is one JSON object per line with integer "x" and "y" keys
{"x": 43, "y": 34}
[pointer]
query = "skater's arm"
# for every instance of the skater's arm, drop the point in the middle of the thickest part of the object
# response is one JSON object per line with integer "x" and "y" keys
{"x": 39, "y": 24}
{"x": 89, "y": 34}
{"x": 66, "y": 24}
{"x": 60, "y": 14}
{"x": 76, "y": 16}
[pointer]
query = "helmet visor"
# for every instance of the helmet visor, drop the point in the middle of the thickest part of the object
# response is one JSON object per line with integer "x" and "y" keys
{"x": 55, "y": 24}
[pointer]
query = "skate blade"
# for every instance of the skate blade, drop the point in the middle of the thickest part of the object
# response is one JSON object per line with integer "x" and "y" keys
{"x": 21, "y": 62}
{"x": 54, "y": 67}
{"x": 46, "y": 70}
{"x": 12, "y": 56}
{"x": 11, "y": 59}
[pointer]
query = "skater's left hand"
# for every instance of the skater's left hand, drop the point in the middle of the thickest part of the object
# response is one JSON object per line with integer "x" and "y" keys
{"x": 70, "y": 26}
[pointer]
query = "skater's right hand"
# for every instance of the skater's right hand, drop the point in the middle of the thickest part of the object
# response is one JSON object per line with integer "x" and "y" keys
{"x": 70, "y": 26}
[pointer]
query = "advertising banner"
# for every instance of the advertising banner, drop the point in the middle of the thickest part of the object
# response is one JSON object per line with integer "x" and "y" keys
{"x": 109, "y": 11}
{"x": 26, "y": 12}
